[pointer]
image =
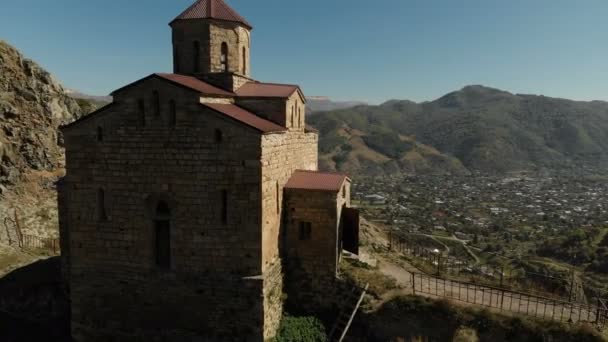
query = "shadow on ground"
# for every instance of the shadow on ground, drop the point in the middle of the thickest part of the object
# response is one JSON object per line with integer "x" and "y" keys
{"x": 33, "y": 305}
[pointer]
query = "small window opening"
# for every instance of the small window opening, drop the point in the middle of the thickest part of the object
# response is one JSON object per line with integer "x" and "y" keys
{"x": 101, "y": 206}
{"x": 300, "y": 117}
{"x": 196, "y": 56}
{"x": 99, "y": 134}
{"x": 344, "y": 191}
{"x": 218, "y": 136}
{"x": 278, "y": 198}
{"x": 162, "y": 236}
{"x": 156, "y": 104}
{"x": 244, "y": 61}
{"x": 224, "y": 212}
{"x": 176, "y": 65}
{"x": 224, "y": 57}
{"x": 305, "y": 230}
{"x": 172, "y": 113}
{"x": 141, "y": 112}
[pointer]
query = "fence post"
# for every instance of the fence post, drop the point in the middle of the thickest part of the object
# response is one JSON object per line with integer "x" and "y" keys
{"x": 18, "y": 229}
{"x": 597, "y": 313}
{"x": 414, "y": 283}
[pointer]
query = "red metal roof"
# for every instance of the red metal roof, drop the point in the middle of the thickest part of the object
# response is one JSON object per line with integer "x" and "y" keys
{"x": 315, "y": 180}
{"x": 195, "y": 84}
{"x": 241, "y": 115}
{"x": 212, "y": 9}
{"x": 258, "y": 89}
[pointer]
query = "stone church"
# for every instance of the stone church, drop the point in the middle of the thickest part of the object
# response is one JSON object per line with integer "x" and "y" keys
{"x": 192, "y": 208}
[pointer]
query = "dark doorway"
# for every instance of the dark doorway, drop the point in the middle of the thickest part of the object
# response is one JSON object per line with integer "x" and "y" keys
{"x": 350, "y": 236}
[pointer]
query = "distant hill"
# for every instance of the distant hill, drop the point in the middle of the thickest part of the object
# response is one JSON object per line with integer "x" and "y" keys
{"x": 478, "y": 128}
{"x": 322, "y": 103}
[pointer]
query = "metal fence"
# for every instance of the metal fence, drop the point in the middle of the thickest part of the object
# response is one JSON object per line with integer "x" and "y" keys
{"x": 12, "y": 235}
{"x": 512, "y": 301}
{"x": 469, "y": 270}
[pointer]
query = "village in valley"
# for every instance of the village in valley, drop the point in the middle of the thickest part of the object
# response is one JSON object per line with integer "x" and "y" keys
{"x": 561, "y": 220}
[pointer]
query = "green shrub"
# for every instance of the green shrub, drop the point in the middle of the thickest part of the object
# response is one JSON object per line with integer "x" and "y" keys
{"x": 300, "y": 329}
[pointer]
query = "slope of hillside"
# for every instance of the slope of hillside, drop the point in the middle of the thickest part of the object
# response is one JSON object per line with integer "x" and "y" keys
{"x": 322, "y": 103}
{"x": 483, "y": 128}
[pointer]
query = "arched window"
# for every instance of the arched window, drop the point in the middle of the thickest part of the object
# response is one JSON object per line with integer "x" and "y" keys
{"x": 141, "y": 113}
{"x": 218, "y": 136}
{"x": 293, "y": 123}
{"x": 99, "y": 134}
{"x": 162, "y": 235}
{"x": 196, "y": 56}
{"x": 156, "y": 103}
{"x": 172, "y": 113}
{"x": 278, "y": 198}
{"x": 101, "y": 206}
{"x": 224, "y": 209}
{"x": 224, "y": 57}
{"x": 244, "y": 60}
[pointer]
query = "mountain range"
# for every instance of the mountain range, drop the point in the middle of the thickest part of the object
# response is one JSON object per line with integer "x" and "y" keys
{"x": 476, "y": 128}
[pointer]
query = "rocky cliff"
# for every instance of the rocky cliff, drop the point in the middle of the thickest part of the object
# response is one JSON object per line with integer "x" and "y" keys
{"x": 32, "y": 106}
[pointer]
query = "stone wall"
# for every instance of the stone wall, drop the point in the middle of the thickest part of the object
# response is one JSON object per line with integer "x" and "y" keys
{"x": 281, "y": 156}
{"x": 317, "y": 255}
{"x": 185, "y": 33}
{"x": 226, "y": 80}
{"x": 237, "y": 38}
{"x": 295, "y": 105}
{"x": 210, "y": 34}
{"x": 278, "y": 110}
{"x": 312, "y": 264}
{"x": 215, "y": 282}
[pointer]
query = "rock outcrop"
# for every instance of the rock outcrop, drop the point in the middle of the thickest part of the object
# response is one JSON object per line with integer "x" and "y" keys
{"x": 32, "y": 105}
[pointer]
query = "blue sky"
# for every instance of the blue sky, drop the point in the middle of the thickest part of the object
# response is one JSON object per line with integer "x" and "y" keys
{"x": 371, "y": 50}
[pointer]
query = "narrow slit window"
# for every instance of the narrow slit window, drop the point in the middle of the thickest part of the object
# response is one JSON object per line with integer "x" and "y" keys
{"x": 172, "y": 113}
{"x": 244, "y": 61}
{"x": 278, "y": 197}
{"x": 162, "y": 236}
{"x": 141, "y": 112}
{"x": 218, "y": 136}
{"x": 101, "y": 206}
{"x": 224, "y": 211}
{"x": 305, "y": 230}
{"x": 224, "y": 57}
{"x": 300, "y": 117}
{"x": 99, "y": 134}
{"x": 156, "y": 103}
{"x": 176, "y": 65}
{"x": 196, "y": 56}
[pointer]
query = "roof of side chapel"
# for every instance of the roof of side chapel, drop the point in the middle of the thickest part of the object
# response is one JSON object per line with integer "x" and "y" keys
{"x": 316, "y": 180}
{"x": 212, "y": 9}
